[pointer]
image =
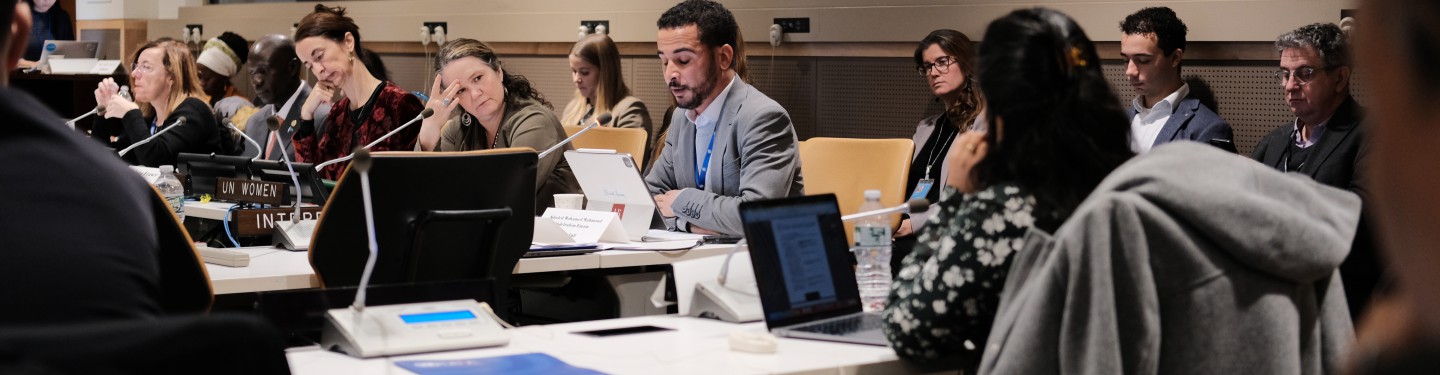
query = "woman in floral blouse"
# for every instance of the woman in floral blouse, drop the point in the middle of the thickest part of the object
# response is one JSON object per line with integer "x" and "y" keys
{"x": 1057, "y": 131}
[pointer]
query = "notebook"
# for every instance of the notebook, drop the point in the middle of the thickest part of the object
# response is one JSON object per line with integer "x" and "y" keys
{"x": 802, "y": 266}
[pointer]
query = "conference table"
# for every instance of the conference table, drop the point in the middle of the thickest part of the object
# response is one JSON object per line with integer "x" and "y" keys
{"x": 278, "y": 269}
{"x": 690, "y": 346}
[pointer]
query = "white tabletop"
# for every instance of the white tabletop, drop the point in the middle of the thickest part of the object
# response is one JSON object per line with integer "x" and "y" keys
{"x": 275, "y": 269}
{"x": 696, "y": 346}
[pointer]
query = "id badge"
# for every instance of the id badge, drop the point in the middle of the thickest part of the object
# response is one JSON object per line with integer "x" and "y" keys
{"x": 922, "y": 189}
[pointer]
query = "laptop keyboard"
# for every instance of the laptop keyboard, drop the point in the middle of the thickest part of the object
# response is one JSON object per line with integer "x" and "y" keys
{"x": 844, "y": 326}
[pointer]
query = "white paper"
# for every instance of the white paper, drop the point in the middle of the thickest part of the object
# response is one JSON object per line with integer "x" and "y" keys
{"x": 147, "y": 173}
{"x": 588, "y": 226}
{"x": 665, "y": 235}
{"x": 657, "y": 246}
{"x": 549, "y": 233}
{"x": 105, "y": 67}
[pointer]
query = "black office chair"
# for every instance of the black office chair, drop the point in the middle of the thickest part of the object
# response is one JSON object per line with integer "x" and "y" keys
{"x": 216, "y": 344}
{"x": 438, "y": 217}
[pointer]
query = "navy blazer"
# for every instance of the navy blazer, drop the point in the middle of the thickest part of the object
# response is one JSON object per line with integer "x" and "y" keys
{"x": 1191, "y": 121}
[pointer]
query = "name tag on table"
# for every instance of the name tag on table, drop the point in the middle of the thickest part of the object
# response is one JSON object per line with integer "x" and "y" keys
{"x": 241, "y": 190}
{"x": 262, "y": 221}
{"x": 588, "y": 226}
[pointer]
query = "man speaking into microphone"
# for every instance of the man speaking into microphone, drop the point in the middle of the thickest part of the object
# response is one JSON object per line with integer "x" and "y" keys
{"x": 479, "y": 106}
{"x": 730, "y": 143}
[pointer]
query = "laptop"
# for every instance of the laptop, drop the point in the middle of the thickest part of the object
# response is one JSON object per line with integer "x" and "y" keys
{"x": 802, "y": 267}
{"x": 612, "y": 182}
{"x": 66, "y": 49}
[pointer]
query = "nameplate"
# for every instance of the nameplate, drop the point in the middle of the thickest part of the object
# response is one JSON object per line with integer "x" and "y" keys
{"x": 261, "y": 221}
{"x": 253, "y": 191}
{"x": 588, "y": 226}
{"x": 106, "y": 67}
{"x": 147, "y": 173}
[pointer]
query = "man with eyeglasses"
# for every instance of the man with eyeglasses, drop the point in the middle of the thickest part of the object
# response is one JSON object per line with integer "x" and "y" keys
{"x": 280, "y": 91}
{"x": 1327, "y": 139}
{"x": 1152, "y": 46}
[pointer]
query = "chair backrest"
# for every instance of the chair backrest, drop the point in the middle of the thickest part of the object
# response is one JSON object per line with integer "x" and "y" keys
{"x": 184, "y": 283}
{"x": 431, "y": 225}
{"x": 626, "y": 140}
{"x": 847, "y": 167}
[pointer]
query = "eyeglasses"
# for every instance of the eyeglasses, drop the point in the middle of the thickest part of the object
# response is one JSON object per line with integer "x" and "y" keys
{"x": 941, "y": 65}
{"x": 1302, "y": 76}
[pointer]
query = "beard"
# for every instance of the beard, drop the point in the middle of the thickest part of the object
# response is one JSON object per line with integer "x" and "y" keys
{"x": 698, "y": 93}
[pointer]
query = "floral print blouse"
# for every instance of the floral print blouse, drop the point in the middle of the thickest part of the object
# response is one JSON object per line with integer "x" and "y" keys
{"x": 944, "y": 299}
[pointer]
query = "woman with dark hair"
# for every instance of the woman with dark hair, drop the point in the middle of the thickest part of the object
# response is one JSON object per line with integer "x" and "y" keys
{"x": 167, "y": 88}
{"x": 329, "y": 44}
{"x": 600, "y": 88}
{"x": 946, "y": 58}
{"x": 1056, "y": 130}
{"x": 497, "y": 110}
{"x": 49, "y": 22}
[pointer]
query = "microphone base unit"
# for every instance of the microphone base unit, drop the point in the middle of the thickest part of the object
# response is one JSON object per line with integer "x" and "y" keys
{"x": 726, "y": 302}
{"x": 411, "y": 328}
{"x": 294, "y": 235}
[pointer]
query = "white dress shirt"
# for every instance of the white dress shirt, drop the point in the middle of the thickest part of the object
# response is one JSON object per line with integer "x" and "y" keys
{"x": 1146, "y": 124}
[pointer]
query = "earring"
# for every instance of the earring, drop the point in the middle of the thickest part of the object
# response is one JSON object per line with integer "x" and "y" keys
{"x": 352, "y": 56}
{"x": 465, "y": 119}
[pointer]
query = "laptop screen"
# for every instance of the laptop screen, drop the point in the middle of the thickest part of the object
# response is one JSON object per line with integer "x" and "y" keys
{"x": 801, "y": 259}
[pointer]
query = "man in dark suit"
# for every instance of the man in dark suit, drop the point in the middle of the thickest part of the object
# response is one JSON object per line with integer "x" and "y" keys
{"x": 279, "y": 90}
{"x": 729, "y": 143}
{"x": 1327, "y": 139}
{"x": 1153, "y": 46}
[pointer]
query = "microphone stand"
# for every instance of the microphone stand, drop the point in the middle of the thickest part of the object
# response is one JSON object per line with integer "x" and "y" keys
{"x": 423, "y": 114}
{"x": 178, "y": 122}
{"x": 362, "y": 165}
{"x": 599, "y": 120}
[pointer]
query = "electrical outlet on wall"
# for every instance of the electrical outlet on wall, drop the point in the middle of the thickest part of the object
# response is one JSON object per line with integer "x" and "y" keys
{"x": 195, "y": 29}
{"x": 794, "y": 25}
{"x": 594, "y": 27}
{"x": 432, "y": 26}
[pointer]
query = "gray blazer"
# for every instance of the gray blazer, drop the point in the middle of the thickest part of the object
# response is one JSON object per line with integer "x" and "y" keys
{"x": 256, "y": 129}
{"x": 1191, "y": 121}
{"x": 922, "y": 134}
{"x": 756, "y": 157}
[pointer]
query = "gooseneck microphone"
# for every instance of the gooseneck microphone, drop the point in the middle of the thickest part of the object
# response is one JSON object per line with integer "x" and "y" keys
{"x": 362, "y": 165}
{"x": 423, "y": 114}
{"x": 232, "y": 126}
{"x": 176, "y": 124}
{"x": 99, "y": 107}
{"x": 914, "y": 205}
{"x": 602, "y": 119}
{"x": 274, "y": 125}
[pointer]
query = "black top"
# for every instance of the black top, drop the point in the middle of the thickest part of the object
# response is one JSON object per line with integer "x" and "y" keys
{"x": 79, "y": 242}
{"x": 54, "y": 24}
{"x": 932, "y": 154}
{"x": 199, "y": 135}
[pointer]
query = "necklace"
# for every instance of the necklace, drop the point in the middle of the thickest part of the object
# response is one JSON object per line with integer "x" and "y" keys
{"x": 942, "y": 124}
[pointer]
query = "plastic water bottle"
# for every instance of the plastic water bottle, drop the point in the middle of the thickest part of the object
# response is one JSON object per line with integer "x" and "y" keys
{"x": 872, "y": 253}
{"x": 172, "y": 190}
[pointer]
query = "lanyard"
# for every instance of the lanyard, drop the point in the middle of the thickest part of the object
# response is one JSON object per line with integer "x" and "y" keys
{"x": 704, "y": 169}
{"x": 152, "y": 126}
{"x": 940, "y": 142}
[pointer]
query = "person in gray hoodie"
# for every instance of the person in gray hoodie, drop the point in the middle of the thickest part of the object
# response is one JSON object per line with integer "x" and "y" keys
{"x": 1186, "y": 260}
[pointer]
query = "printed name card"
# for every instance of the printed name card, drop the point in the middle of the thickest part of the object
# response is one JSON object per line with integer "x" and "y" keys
{"x": 588, "y": 226}
{"x": 262, "y": 221}
{"x": 250, "y": 190}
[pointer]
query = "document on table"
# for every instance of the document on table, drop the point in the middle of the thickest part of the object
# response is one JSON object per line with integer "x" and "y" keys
{"x": 657, "y": 235}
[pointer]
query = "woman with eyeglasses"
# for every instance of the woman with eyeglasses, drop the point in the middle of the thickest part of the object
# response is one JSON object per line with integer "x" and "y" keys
{"x": 329, "y": 44}
{"x": 946, "y": 58}
{"x": 166, "y": 86}
{"x": 1055, "y": 131}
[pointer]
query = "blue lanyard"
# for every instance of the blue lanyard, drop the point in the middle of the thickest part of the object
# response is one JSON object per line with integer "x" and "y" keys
{"x": 704, "y": 169}
{"x": 152, "y": 127}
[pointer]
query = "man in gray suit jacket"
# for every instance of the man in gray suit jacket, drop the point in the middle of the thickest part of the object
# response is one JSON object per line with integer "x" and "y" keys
{"x": 730, "y": 143}
{"x": 275, "y": 74}
{"x": 1153, "y": 46}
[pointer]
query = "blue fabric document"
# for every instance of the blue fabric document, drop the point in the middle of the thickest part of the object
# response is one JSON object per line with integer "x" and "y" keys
{"x": 531, "y": 363}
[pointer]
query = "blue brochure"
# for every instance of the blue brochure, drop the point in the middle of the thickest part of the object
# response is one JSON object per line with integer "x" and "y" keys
{"x": 530, "y": 363}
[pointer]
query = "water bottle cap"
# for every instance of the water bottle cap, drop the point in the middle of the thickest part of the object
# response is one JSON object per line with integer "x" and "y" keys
{"x": 167, "y": 169}
{"x": 872, "y": 194}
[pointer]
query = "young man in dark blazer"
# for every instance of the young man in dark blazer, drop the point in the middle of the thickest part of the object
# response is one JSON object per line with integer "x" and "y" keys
{"x": 1153, "y": 46}
{"x": 1327, "y": 139}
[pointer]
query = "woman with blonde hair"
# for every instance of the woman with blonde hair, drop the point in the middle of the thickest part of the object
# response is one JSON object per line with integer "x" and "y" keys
{"x": 166, "y": 86}
{"x": 496, "y": 110}
{"x": 600, "y": 88}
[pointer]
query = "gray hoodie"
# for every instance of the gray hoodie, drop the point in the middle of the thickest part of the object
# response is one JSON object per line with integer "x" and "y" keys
{"x": 1186, "y": 260}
